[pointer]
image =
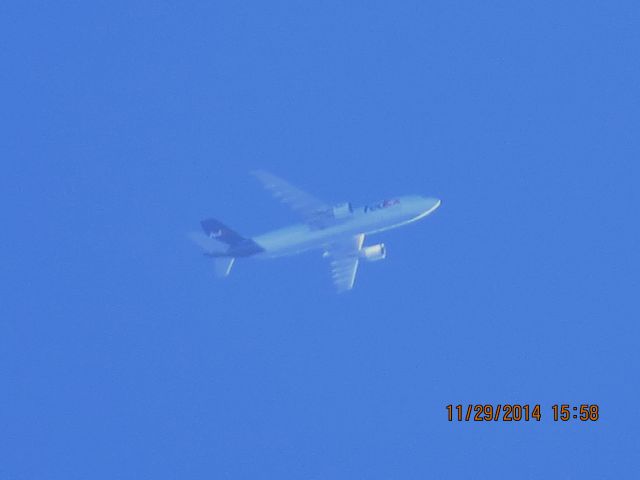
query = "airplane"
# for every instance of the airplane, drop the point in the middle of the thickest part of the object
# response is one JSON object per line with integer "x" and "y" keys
{"x": 337, "y": 230}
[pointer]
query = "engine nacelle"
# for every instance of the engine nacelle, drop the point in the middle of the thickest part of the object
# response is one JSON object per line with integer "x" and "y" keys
{"x": 342, "y": 210}
{"x": 374, "y": 252}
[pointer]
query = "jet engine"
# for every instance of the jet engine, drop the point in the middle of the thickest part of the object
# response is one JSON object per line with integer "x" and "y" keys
{"x": 374, "y": 253}
{"x": 342, "y": 210}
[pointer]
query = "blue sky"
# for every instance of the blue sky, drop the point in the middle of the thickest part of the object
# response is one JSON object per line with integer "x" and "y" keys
{"x": 125, "y": 123}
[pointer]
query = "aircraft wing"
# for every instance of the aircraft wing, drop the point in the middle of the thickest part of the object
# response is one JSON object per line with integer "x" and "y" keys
{"x": 344, "y": 258}
{"x": 312, "y": 210}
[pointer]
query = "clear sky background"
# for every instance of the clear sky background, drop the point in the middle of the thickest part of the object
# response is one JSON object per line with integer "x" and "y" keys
{"x": 126, "y": 123}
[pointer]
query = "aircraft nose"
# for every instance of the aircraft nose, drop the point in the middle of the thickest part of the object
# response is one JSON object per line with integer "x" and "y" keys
{"x": 432, "y": 204}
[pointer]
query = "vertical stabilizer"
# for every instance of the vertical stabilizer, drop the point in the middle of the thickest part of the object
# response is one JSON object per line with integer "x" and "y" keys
{"x": 236, "y": 244}
{"x": 223, "y": 265}
{"x": 219, "y": 231}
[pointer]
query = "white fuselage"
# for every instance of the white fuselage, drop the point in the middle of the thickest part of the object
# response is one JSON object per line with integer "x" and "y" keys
{"x": 363, "y": 220}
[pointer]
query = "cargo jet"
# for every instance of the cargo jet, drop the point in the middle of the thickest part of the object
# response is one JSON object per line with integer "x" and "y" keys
{"x": 337, "y": 230}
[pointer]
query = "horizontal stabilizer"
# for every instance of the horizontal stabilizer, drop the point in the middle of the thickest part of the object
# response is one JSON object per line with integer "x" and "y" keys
{"x": 223, "y": 266}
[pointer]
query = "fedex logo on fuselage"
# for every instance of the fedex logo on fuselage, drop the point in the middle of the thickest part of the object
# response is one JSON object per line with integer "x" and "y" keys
{"x": 383, "y": 204}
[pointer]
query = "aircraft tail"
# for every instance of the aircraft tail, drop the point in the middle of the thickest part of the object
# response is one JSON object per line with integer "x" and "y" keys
{"x": 220, "y": 232}
{"x": 217, "y": 240}
{"x": 223, "y": 245}
{"x": 235, "y": 244}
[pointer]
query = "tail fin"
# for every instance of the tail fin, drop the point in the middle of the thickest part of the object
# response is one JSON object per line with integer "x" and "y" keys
{"x": 237, "y": 245}
{"x": 220, "y": 232}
